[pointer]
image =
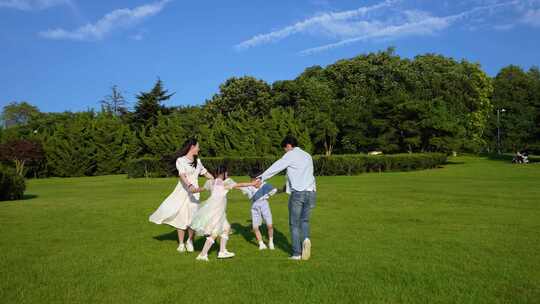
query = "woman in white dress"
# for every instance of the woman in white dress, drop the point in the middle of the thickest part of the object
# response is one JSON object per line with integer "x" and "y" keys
{"x": 178, "y": 208}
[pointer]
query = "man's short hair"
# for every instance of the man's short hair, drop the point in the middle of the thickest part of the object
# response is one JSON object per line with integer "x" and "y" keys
{"x": 254, "y": 173}
{"x": 289, "y": 140}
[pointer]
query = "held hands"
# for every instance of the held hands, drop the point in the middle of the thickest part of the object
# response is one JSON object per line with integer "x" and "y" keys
{"x": 194, "y": 189}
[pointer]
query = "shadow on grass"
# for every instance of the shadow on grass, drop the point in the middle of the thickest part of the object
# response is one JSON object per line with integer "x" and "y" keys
{"x": 450, "y": 163}
{"x": 280, "y": 240}
{"x": 169, "y": 236}
{"x": 198, "y": 242}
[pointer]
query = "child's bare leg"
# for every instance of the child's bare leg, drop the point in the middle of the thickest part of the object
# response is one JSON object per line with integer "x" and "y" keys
{"x": 223, "y": 242}
{"x": 207, "y": 245}
{"x": 258, "y": 235}
{"x": 270, "y": 231}
{"x": 257, "y": 232}
{"x": 223, "y": 252}
{"x": 270, "y": 236}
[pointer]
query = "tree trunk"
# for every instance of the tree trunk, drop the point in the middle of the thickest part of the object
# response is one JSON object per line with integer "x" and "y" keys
{"x": 19, "y": 166}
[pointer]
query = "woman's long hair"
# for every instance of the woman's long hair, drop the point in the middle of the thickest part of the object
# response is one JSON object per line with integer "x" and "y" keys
{"x": 185, "y": 149}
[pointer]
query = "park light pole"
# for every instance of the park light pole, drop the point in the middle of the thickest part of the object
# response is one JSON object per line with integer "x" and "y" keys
{"x": 499, "y": 111}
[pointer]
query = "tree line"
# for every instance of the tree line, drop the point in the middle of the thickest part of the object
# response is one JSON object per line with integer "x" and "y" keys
{"x": 377, "y": 101}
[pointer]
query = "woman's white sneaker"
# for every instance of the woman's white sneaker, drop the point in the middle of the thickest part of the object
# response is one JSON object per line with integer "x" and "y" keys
{"x": 225, "y": 255}
{"x": 295, "y": 258}
{"x": 181, "y": 248}
{"x": 189, "y": 246}
{"x": 271, "y": 245}
{"x": 262, "y": 246}
{"x": 306, "y": 249}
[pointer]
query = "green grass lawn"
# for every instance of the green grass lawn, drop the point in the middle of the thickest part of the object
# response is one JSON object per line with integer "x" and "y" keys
{"x": 465, "y": 233}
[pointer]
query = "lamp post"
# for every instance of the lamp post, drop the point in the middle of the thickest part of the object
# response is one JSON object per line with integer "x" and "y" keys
{"x": 499, "y": 111}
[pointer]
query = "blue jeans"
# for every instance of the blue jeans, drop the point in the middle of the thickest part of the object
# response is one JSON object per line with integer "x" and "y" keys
{"x": 300, "y": 205}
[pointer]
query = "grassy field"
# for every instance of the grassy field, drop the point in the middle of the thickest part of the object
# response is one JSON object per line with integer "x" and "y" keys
{"x": 465, "y": 233}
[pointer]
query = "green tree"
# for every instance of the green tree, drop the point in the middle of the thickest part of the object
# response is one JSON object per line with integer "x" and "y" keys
{"x": 245, "y": 93}
{"x": 149, "y": 105}
{"x": 513, "y": 92}
{"x": 115, "y": 144}
{"x": 18, "y": 113}
{"x": 280, "y": 123}
{"x": 71, "y": 149}
{"x": 167, "y": 136}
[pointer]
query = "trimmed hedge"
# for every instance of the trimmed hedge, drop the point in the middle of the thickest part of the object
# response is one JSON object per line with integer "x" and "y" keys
{"x": 324, "y": 165}
{"x": 361, "y": 163}
{"x": 12, "y": 185}
{"x": 147, "y": 167}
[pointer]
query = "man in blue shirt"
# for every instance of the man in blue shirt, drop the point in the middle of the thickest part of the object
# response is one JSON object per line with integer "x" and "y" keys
{"x": 302, "y": 189}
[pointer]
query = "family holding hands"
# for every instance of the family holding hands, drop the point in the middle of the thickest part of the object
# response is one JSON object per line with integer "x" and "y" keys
{"x": 183, "y": 210}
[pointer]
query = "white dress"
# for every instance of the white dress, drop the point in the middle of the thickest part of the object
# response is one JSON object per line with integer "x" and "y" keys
{"x": 211, "y": 218}
{"x": 178, "y": 208}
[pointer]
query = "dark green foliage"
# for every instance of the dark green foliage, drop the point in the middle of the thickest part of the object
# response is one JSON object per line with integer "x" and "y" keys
{"x": 147, "y": 167}
{"x": 245, "y": 93}
{"x": 71, "y": 149}
{"x": 373, "y": 102}
{"x": 149, "y": 105}
{"x": 12, "y": 185}
{"x": 518, "y": 93}
{"x": 323, "y": 165}
{"x": 115, "y": 144}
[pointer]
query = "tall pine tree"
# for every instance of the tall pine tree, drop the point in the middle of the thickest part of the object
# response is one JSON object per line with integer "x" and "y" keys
{"x": 149, "y": 106}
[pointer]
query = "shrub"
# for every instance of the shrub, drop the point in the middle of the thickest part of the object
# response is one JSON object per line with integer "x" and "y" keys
{"x": 323, "y": 165}
{"x": 12, "y": 185}
{"x": 147, "y": 167}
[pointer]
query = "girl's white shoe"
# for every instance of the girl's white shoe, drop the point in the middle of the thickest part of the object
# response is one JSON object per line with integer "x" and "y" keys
{"x": 262, "y": 246}
{"x": 271, "y": 245}
{"x": 181, "y": 248}
{"x": 202, "y": 258}
{"x": 225, "y": 255}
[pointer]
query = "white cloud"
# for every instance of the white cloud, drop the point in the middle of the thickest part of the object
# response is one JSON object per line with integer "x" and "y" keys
{"x": 504, "y": 27}
{"x": 27, "y": 5}
{"x": 120, "y": 18}
{"x": 417, "y": 23}
{"x": 532, "y": 17}
{"x": 395, "y": 19}
{"x": 427, "y": 25}
{"x": 330, "y": 21}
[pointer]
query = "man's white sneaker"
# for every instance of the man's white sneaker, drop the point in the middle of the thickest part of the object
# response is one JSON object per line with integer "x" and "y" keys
{"x": 295, "y": 258}
{"x": 271, "y": 245}
{"x": 225, "y": 255}
{"x": 306, "y": 249}
{"x": 262, "y": 246}
{"x": 181, "y": 248}
{"x": 202, "y": 258}
{"x": 189, "y": 246}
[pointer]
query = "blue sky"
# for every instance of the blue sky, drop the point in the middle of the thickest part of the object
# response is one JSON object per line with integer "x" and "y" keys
{"x": 66, "y": 54}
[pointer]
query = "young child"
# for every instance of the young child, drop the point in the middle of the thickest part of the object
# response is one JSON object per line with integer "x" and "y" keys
{"x": 211, "y": 219}
{"x": 259, "y": 193}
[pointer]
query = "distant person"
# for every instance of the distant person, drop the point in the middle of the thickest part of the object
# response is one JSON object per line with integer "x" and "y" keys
{"x": 302, "y": 189}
